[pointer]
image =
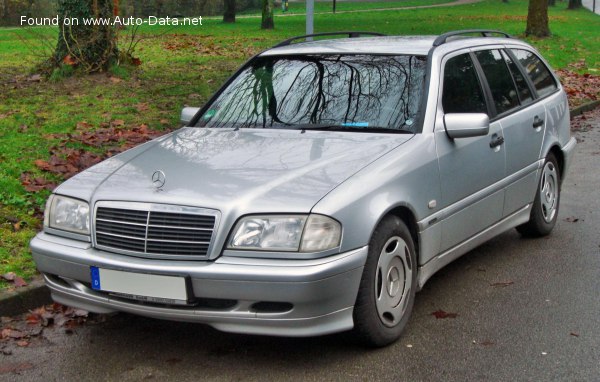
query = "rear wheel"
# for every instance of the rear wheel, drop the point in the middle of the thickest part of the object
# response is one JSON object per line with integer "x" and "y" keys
{"x": 388, "y": 285}
{"x": 544, "y": 212}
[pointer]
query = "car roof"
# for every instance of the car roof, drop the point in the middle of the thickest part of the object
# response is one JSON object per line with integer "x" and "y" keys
{"x": 406, "y": 45}
{"x": 413, "y": 45}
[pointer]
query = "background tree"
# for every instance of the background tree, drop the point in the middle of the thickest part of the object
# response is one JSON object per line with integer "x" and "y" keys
{"x": 574, "y": 4}
{"x": 91, "y": 47}
{"x": 551, "y": 3}
{"x": 229, "y": 11}
{"x": 537, "y": 19}
{"x": 267, "y": 15}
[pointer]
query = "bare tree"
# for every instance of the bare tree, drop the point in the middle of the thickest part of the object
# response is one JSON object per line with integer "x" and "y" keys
{"x": 267, "y": 15}
{"x": 229, "y": 11}
{"x": 537, "y": 19}
{"x": 574, "y": 4}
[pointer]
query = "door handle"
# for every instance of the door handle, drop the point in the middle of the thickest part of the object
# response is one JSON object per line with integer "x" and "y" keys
{"x": 497, "y": 140}
{"x": 537, "y": 122}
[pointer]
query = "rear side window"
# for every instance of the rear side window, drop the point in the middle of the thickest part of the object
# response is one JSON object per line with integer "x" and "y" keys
{"x": 462, "y": 90}
{"x": 524, "y": 92}
{"x": 499, "y": 79}
{"x": 537, "y": 71}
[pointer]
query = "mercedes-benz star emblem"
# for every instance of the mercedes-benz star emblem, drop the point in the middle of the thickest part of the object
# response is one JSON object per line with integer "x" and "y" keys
{"x": 158, "y": 179}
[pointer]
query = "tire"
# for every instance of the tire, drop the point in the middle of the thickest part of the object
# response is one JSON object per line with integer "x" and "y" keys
{"x": 387, "y": 289}
{"x": 544, "y": 212}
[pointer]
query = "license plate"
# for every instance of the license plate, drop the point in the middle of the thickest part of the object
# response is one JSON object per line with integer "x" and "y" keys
{"x": 140, "y": 286}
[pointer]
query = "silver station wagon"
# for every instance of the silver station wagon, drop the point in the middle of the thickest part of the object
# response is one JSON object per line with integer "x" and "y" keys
{"x": 320, "y": 187}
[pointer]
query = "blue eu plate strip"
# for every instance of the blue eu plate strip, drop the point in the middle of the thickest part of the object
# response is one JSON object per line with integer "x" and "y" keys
{"x": 95, "y": 272}
{"x": 356, "y": 124}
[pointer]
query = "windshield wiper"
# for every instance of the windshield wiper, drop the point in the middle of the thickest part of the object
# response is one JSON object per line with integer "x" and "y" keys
{"x": 316, "y": 126}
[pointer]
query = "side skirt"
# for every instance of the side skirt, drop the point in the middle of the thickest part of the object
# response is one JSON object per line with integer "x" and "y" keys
{"x": 430, "y": 268}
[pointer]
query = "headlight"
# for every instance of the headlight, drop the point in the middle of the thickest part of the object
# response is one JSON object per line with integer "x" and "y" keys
{"x": 292, "y": 233}
{"x": 67, "y": 214}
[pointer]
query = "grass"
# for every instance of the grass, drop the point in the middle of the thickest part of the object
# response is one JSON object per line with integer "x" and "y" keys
{"x": 184, "y": 66}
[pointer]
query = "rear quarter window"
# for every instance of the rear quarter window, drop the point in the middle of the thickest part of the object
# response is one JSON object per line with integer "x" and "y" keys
{"x": 536, "y": 70}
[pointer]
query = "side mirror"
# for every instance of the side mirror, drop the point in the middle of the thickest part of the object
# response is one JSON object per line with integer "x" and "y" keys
{"x": 187, "y": 114}
{"x": 466, "y": 125}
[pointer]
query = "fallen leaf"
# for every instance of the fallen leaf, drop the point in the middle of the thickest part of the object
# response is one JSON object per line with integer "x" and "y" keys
{"x": 574, "y": 334}
{"x": 18, "y": 226}
{"x": 23, "y": 343}
{"x": 19, "y": 282}
{"x": 42, "y": 165}
{"x": 115, "y": 80}
{"x": 118, "y": 122}
{"x": 68, "y": 60}
{"x": 441, "y": 314}
{"x": 10, "y": 276}
{"x": 35, "y": 78}
{"x": 571, "y": 219}
{"x": 12, "y": 333}
{"x": 142, "y": 106}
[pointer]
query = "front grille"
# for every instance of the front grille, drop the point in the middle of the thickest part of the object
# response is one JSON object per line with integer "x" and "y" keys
{"x": 155, "y": 234}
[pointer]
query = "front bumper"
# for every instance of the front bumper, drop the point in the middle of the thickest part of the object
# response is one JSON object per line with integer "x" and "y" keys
{"x": 304, "y": 297}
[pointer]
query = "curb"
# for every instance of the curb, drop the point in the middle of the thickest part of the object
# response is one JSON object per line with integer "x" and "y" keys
{"x": 23, "y": 299}
{"x": 583, "y": 108}
{"x": 36, "y": 294}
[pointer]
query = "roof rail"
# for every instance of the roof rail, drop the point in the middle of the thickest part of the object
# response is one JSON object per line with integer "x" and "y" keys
{"x": 350, "y": 34}
{"x": 442, "y": 39}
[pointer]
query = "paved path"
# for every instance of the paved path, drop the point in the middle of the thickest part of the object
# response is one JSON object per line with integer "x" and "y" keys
{"x": 455, "y": 3}
{"x": 589, "y": 4}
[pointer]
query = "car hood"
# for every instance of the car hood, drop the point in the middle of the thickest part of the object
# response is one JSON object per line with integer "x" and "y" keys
{"x": 246, "y": 170}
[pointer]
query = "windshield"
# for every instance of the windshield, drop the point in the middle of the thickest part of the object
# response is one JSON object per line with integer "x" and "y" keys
{"x": 358, "y": 92}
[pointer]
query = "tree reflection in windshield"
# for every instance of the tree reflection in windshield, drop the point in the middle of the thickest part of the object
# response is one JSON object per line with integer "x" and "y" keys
{"x": 350, "y": 91}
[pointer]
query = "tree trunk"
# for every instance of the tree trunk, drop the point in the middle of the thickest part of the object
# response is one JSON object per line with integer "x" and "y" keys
{"x": 91, "y": 47}
{"x": 537, "y": 19}
{"x": 574, "y": 4}
{"x": 229, "y": 11}
{"x": 551, "y": 3}
{"x": 267, "y": 15}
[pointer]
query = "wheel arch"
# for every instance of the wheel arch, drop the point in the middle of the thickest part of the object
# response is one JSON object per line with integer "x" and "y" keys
{"x": 560, "y": 158}
{"x": 406, "y": 214}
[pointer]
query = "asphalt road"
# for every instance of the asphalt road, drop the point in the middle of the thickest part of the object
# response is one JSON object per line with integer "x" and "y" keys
{"x": 543, "y": 325}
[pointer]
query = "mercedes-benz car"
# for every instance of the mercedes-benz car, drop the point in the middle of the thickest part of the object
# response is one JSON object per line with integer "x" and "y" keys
{"x": 320, "y": 188}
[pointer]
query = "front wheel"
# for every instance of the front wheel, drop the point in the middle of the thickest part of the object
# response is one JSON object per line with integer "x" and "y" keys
{"x": 387, "y": 289}
{"x": 544, "y": 212}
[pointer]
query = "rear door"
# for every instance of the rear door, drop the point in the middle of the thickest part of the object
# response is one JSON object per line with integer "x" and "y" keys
{"x": 523, "y": 122}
